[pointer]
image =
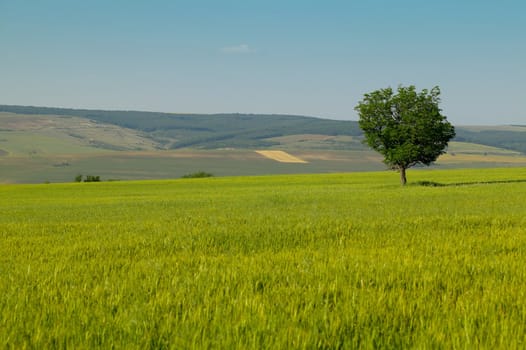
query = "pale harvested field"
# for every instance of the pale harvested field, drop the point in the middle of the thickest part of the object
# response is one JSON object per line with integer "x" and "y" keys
{"x": 480, "y": 158}
{"x": 281, "y": 156}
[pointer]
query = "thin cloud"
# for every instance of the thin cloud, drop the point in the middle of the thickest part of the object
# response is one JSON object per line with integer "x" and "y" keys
{"x": 237, "y": 49}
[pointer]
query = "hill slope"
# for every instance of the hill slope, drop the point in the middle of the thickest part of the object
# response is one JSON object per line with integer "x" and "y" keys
{"x": 36, "y": 135}
{"x": 212, "y": 131}
{"x": 51, "y": 144}
{"x": 512, "y": 137}
{"x": 172, "y": 131}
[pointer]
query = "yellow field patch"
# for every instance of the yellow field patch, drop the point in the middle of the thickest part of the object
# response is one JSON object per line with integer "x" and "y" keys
{"x": 281, "y": 156}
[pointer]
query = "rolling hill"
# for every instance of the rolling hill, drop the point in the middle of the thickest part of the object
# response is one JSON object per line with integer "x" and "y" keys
{"x": 212, "y": 131}
{"x": 205, "y": 131}
{"x": 54, "y": 144}
{"x": 512, "y": 137}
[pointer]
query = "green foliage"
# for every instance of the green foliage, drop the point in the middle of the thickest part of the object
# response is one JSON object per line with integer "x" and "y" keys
{"x": 88, "y": 178}
{"x": 92, "y": 178}
{"x": 199, "y": 174}
{"x": 284, "y": 262}
{"x": 406, "y": 128}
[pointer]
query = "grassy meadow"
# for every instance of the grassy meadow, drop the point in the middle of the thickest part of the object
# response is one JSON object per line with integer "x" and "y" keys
{"x": 275, "y": 262}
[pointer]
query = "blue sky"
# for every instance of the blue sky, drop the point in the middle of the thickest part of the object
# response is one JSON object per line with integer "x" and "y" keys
{"x": 304, "y": 57}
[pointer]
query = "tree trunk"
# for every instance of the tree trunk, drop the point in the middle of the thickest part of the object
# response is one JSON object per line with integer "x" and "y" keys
{"x": 403, "y": 178}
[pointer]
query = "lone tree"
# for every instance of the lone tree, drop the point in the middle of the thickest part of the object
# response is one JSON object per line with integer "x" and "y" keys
{"x": 406, "y": 128}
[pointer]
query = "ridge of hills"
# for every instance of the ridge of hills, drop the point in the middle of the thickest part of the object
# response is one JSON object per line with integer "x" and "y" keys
{"x": 160, "y": 130}
{"x": 205, "y": 131}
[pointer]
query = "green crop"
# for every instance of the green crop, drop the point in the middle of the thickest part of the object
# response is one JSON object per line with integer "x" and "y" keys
{"x": 277, "y": 262}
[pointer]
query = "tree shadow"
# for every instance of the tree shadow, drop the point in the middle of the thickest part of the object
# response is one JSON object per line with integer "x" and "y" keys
{"x": 426, "y": 183}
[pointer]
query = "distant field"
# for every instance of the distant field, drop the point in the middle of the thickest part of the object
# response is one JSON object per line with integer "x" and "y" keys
{"x": 174, "y": 164}
{"x": 518, "y": 128}
{"x": 472, "y": 148}
{"x": 507, "y": 136}
{"x": 463, "y": 159}
{"x": 316, "y": 141}
{"x": 281, "y": 156}
{"x": 112, "y": 165}
{"x": 271, "y": 262}
{"x": 56, "y": 147}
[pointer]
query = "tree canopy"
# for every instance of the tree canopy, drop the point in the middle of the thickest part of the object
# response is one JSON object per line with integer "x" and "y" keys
{"x": 406, "y": 127}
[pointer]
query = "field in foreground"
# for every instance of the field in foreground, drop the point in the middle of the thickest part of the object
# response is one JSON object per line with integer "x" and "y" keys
{"x": 304, "y": 261}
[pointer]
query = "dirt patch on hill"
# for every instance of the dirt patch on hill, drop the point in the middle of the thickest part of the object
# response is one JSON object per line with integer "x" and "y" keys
{"x": 3, "y": 153}
{"x": 281, "y": 156}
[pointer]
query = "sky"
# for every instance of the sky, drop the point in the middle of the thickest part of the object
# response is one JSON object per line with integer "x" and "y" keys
{"x": 303, "y": 57}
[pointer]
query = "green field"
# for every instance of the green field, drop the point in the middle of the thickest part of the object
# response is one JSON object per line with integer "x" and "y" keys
{"x": 174, "y": 164}
{"x": 275, "y": 262}
{"x": 112, "y": 165}
{"x": 472, "y": 148}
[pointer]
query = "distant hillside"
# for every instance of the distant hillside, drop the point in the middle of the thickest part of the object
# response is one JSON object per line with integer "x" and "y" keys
{"x": 512, "y": 137}
{"x": 248, "y": 131}
{"x": 174, "y": 131}
{"x": 56, "y": 145}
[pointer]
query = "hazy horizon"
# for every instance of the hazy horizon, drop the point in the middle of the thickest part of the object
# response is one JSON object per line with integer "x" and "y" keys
{"x": 264, "y": 57}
